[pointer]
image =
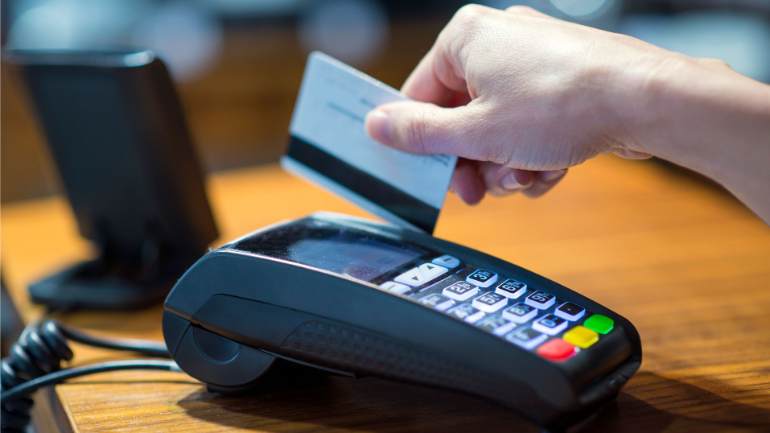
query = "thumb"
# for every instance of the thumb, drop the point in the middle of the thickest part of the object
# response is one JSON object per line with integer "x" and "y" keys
{"x": 417, "y": 127}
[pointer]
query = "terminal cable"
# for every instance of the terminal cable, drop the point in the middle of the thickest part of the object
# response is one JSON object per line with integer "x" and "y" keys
{"x": 36, "y": 358}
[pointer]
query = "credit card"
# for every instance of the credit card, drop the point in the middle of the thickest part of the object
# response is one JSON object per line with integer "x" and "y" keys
{"x": 329, "y": 146}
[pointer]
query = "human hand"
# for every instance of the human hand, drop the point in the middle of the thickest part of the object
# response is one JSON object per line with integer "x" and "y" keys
{"x": 520, "y": 97}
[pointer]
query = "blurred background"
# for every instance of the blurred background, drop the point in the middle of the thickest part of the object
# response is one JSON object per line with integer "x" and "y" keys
{"x": 238, "y": 63}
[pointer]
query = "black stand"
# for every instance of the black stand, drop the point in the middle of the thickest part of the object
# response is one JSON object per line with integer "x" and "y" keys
{"x": 128, "y": 165}
{"x": 108, "y": 283}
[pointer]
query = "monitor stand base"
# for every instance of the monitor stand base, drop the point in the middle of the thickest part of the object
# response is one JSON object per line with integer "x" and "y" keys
{"x": 99, "y": 285}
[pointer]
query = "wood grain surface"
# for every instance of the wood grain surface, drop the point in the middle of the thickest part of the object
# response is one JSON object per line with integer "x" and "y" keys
{"x": 682, "y": 259}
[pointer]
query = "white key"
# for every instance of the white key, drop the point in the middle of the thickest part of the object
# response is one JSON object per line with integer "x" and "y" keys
{"x": 502, "y": 330}
{"x": 527, "y": 338}
{"x": 540, "y": 300}
{"x": 466, "y": 312}
{"x": 496, "y": 325}
{"x": 437, "y": 301}
{"x": 512, "y": 289}
{"x": 422, "y": 274}
{"x": 460, "y": 291}
{"x": 475, "y": 317}
{"x": 550, "y": 324}
{"x": 432, "y": 270}
{"x": 395, "y": 287}
{"x": 490, "y": 302}
{"x": 520, "y": 313}
{"x": 482, "y": 278}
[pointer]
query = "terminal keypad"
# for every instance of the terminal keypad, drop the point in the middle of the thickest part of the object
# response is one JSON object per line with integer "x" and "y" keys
{"x": 506, "y": 306}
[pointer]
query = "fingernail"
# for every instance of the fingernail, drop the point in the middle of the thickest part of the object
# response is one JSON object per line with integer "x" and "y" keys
{"x": 378, "y": 126}
{"x": 548, "y": 176}
{"x": 516, "y": 180}
{"x": 525, "y": 178}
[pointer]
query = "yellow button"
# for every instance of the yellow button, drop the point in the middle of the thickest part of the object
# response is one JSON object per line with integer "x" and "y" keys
{"x": 581, "y": 337}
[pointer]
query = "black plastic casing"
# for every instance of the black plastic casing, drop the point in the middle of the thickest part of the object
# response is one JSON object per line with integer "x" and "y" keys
{"x": 119, "y": 139}
{"x": 118, "y": 135}
{"x": 234, "y": 313}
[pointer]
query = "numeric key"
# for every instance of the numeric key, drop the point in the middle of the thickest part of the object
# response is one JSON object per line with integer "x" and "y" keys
{"x": 460, "y": 291}
{"x": 482, "y": 278}
{"x": 527, "y": 338}
{"x": 520, "y": 313}
{"x": 541, "y": 300}
{"x": 467, "y": 313}
{"x": 490, "y": 302}
{"x": 550, "y": 324}
{"x": 512, "y": 289}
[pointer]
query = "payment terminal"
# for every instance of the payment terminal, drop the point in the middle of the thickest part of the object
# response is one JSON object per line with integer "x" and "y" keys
{"x": 359, "y": 298}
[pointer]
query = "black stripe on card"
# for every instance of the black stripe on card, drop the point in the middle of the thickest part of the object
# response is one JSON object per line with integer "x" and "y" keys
{"x": 381, "y": 194}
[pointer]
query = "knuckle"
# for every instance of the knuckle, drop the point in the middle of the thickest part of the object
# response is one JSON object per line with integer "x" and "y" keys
{"x": 521, "y": 9}
{"x": 717, "y": 63}
{"x": 469, "y": 15}
{"x": 466, "y": 24}
{"x": 499, "y": 153}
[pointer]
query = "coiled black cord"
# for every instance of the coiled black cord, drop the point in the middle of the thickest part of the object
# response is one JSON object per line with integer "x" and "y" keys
{"x": 35, "y": 361}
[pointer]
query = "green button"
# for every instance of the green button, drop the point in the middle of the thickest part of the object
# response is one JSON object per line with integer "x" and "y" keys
{"x": 599, "y": 323}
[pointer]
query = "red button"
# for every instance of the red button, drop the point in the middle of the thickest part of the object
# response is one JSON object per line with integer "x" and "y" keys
{"x": 556, "y": 350}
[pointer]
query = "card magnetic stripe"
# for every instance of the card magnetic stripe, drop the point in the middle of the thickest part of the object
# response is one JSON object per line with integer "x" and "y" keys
{"x": 381, "y": 194}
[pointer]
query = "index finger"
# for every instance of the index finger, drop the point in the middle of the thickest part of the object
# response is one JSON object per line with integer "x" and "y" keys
{"x": 431, "y": 82}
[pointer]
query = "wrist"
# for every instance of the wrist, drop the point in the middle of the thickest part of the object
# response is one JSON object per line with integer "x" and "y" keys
{"x": 639, "y": 96}
{"x": 696, "y": 113}
{"x": 669, "y": 106}
{"x": 699, "y": 113}
{"x": 702, "y": 115}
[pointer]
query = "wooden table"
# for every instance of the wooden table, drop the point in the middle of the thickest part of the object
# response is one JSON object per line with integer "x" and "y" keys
{"x": 683, "y": 260}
